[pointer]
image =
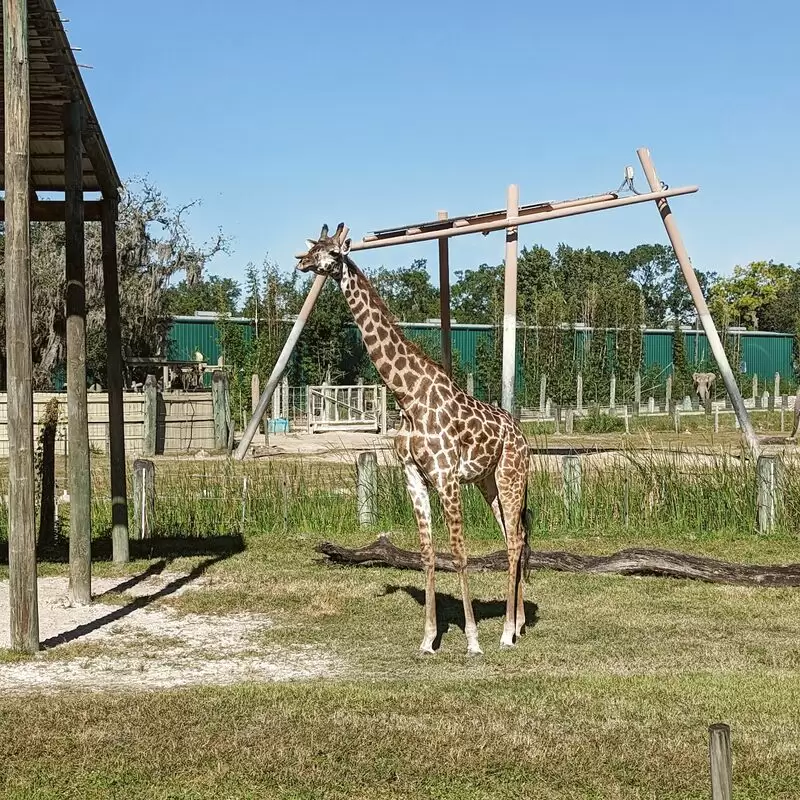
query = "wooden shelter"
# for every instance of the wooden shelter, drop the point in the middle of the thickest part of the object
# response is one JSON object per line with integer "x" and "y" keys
{"x": 54, "y": 144}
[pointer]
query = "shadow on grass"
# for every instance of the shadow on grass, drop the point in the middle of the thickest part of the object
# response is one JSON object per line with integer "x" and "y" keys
{"x": 450, "y": 610}
{"x": 57, "y": 552}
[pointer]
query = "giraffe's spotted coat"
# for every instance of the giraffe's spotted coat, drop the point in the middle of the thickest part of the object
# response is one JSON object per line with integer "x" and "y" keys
{"x": 446, "y": 438}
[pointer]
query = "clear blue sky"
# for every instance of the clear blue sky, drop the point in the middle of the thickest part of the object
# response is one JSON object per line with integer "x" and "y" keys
{"x": 282, "y": 116}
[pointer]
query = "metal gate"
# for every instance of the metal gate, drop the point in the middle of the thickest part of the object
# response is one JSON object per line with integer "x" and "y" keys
{"x": 350, "y": 408}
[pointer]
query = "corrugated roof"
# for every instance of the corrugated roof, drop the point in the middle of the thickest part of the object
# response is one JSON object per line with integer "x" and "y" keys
{"x": 55, "y": 80}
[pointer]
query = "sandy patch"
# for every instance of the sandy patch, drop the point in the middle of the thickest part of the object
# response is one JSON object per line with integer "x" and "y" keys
{"x": 145, "y": 648}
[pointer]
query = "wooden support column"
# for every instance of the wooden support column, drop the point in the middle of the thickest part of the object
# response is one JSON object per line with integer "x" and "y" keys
{"x": 80, "y": 484}
{"x": 23, "y": 596}
{"x": 444, "y": 301}
{"x": 116, "y": 421}
{"x": 510, "y": 304}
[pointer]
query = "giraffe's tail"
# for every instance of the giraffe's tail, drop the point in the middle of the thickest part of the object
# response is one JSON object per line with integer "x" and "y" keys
{"x": 525, "y": 521}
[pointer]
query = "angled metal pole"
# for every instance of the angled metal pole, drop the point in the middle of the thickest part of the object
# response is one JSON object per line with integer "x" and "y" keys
{"x": 700, "y": 304}
{"x": 280, "y": 366}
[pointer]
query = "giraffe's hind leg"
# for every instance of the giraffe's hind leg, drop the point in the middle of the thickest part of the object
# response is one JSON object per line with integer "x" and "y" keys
{"x": 450, "y": 495}
{"x": 504, "y": 491}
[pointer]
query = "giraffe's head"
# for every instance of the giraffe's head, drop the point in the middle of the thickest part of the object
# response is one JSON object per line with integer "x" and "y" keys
{"x": 326, "y": 255}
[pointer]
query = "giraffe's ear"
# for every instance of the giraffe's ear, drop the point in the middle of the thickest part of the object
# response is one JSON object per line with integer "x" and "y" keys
{"x": 346, "y": 247}
{"x": 310, "y": 243}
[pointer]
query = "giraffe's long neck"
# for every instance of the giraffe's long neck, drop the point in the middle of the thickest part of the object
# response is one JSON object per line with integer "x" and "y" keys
{"x": 407, "y": 372}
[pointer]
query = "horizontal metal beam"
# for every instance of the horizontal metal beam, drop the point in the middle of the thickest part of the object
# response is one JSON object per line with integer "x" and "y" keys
{"x": 567, "y": 208}
{"x": 55, "y": 210}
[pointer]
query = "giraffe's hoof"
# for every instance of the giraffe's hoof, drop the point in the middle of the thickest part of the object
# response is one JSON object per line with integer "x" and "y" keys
{"x": 426, "y": 650}
{"x": 507, "y": 642}
{"x": 474, "y": 650}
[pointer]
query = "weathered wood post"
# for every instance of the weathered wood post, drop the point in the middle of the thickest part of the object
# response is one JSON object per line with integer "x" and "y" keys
{"x": 720, "y": 761}
{"x": 557, "y": 418}
{"x": 219, "y": 402}
{"x": 144, "y": 498}
{"x": 150, "y": 416}
{"x": 116, "y": 400}
{"x": 755, "y": 387}
{"x": 80, "y": 481}
{"x": 384, "y": 410}
{"x": 668, "y": 394}
{"x": 637, "y": 393}
{"x": 579, "y": 393}
{"x": 768, "y": 401}
{"x": 276, "y": 401}
{"x": 470, "y": 383}
{"x": 716, "y": 420}
{"x": 542, "y": 393}
{"x": 23, "y": 595}
{"x": 626, "y": 419}
{"x": 47, "y": 475}
{"x": 651, "y": 405}
{"x": 768, "y": 472}
{"x": 569, "y": 421}
{"x": 360, "y": 395}
{"x": 777, "y": 392}
{"x": 571, "y": 470}
{"x": 677, "y": 416}
{"x": 367, "y": 468}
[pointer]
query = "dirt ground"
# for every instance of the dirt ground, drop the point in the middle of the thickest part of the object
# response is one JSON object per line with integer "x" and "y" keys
{"x": 121, "y": 643}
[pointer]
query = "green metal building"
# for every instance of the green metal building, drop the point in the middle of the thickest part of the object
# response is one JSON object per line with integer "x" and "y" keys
{"x": 762, "y": 352}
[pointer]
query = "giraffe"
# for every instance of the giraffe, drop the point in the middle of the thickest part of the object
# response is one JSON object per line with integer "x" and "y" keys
{"x": 446, "y": 438}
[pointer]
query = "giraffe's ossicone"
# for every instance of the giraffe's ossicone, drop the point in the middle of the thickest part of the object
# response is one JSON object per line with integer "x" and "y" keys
{"x": 446, "y": 438}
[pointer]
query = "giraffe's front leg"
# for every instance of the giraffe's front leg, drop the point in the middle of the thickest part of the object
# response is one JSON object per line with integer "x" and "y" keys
{"x": 422, "y": 511}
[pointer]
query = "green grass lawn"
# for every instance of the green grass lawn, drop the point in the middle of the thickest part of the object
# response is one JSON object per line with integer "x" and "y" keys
{"x": 609, "y": 695}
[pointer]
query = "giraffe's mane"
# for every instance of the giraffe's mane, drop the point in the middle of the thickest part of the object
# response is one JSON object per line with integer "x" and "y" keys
{"x": 379, "y": 303}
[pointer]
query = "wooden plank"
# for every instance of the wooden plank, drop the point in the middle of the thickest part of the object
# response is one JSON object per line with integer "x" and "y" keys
{"x": 720, "y": 760}
{"x": 116, "y": 422}
{"x": 80, "y": 483}
{"x": 21, "y": 512}
{"x": 444, "y": 301}
{"x": 55, "y": 210}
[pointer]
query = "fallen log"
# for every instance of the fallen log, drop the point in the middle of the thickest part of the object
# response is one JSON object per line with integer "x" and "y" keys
{"x": 632, "y": 561}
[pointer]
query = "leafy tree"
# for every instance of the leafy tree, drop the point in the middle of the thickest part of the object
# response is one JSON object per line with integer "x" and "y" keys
{"x": 408, "y": 291}
{"x": 476, "y": 294}
{"x": 207, "y": 294}
{"x": 153, "y": 246}
{"x": 751, "y": 289}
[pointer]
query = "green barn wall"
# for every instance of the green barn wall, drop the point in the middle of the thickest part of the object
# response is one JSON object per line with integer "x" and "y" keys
{"x": 762, "y": 353}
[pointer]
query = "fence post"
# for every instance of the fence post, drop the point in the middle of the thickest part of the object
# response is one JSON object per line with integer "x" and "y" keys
{"x": 719, "y": 756}
{"x": 276, "y": 401}
{"x": 571, "y": 469}
{"x": 716, "y": 420}
{"x": 651, "y": 405}
{"x": 668, "y": 393}
{"x": 384, "y": 410}
{"x": 579, "y": 393}
{"x": 255, "y": 392}
{"x": 625, "y": 417}
{"x": 470, "y": 383}
{"x": 144, "y": 498}
{"x": 768, "y": 401}
{"x": 755, "y": 387}
{"x": 768, "y": 477}
{"x": 285, "y": 399}
{"x": 637, "y": 393}
{"x": 219, "y": 399}
{"x": 557, "y": 417}
{"x": 150, "y": 409}
{"x": 677, "y": 419}
{"x": 47, "y": 474}
{"x": 569, "y": 418}
{"x": 777, "y": 393}
{"x": 367, "y": 469}
{"x": 360, "y": 394}
{"x": 783, "y": 420}
{"x": 612, "y": 394}
{"x": 542, "y": 392}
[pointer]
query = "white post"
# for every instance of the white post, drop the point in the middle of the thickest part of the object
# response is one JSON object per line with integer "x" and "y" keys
{"x": 579, "y": 392}
{"x": 612, "y": 402}
{"x": 510, "y": 304}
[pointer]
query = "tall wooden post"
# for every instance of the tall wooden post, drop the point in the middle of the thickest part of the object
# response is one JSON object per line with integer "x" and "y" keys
{"x": 21, "y": 512}
{"x": 510, "y": 304}
{"x": 116, "y": 420}
{"x": 444, "y": 300}
{"x": 80, "y": 484}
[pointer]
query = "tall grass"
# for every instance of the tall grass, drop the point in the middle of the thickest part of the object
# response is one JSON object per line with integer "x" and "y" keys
{"x": 644, "y": 494}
